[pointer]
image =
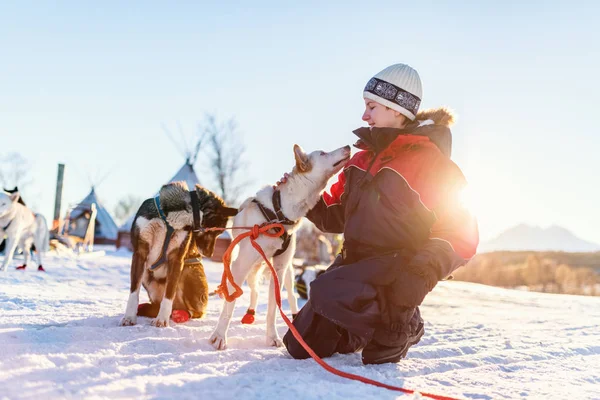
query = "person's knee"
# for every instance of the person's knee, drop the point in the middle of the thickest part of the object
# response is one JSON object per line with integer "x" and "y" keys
{"x": 294, "y": 347}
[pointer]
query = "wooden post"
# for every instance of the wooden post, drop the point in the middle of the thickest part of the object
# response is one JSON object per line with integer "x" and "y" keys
{"x": 58, "y": 197}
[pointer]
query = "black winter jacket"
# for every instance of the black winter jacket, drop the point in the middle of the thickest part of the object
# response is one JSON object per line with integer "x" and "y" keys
{"x": 402, "y": 193}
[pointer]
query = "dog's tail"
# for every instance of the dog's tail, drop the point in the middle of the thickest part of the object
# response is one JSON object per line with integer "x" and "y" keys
{"x": 42, "y": 234}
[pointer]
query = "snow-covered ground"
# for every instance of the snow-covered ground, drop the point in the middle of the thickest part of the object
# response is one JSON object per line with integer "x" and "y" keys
{"x": 59, "y": 338}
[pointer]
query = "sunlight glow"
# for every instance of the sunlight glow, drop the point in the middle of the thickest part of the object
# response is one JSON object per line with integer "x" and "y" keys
{"x": 470, "y": 199}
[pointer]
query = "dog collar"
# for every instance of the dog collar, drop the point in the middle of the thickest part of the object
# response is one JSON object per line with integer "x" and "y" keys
{"x": 277, "y": 206}
{"x": 276, "y": 216}
{"x": 196, "y": 228}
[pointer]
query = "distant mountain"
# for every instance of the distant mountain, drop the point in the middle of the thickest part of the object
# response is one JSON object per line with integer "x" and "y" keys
{"x": 526, "y": 237}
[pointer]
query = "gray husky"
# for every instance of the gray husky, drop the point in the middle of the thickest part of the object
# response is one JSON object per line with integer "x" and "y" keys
{"x": 22, "y": 228}
{"x": 168, "y": 239}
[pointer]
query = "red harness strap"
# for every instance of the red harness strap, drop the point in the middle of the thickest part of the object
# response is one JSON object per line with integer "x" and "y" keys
{"x": 264, "y": 229}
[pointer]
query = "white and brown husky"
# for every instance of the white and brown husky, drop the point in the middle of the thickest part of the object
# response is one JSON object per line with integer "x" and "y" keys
{"x": 168, "y": 239}
{"x": 22, "y": 228}
{"x": 288, "y": 204}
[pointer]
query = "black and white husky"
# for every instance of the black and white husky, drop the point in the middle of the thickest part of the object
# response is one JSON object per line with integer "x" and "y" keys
{"x": 296, "y": 197}
{"x": 22, "y": 229}
{"x": 167, "y": 241}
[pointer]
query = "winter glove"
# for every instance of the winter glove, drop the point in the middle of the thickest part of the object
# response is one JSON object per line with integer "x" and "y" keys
{"x": 398, "y": 303}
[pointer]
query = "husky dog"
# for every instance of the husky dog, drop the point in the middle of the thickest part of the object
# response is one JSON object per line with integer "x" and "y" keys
{"x": 305, "y": 278}
{"x": 167, "y": 244}
{"x": 296, "y": 197}
{"x": 2, "y": 241}
{"x": 16, "y": 189}
{"x": 22, "y": 228}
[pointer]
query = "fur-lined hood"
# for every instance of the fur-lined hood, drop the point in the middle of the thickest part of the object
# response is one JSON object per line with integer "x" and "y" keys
{"x": 436, "y": 116}
{"x": 433, "y": 123}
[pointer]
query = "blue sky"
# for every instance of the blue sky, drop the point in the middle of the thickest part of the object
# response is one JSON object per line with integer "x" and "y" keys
{"x": 91, "y": 84}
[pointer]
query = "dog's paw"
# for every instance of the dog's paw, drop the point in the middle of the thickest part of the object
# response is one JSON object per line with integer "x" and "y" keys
{"x": 274, "y": 341}
{"x": 160, "y": 323}
{"x": 218, "y": 341}
{"x": 128, "y": 321}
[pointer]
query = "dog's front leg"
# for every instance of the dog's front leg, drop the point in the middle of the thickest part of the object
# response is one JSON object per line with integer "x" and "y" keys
{"x": 273, "y": 338}
{"x": 138, "y": 263}
{"x": 39, "y": 258}
{"x": 175, "y": 259}
{"x": 218, "y": 339}
{"x": 38, "y": 252}
{"x": 9, "y": 250}
{"x": 247, "y": 259}
{"x": 252, "y": 281}
{"x": 288, "y": 282}
{"x": 26, "y": 253}
{"x": 288, "y": 279}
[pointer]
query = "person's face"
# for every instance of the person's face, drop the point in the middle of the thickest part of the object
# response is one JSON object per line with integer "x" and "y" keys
{"x": 380, "y": 116}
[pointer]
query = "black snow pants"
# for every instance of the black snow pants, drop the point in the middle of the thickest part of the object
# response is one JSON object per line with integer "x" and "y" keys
{"x": 369, "y": 304}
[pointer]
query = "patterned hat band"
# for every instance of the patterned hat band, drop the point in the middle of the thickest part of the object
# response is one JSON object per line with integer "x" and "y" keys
{"x": 393, "y": 93}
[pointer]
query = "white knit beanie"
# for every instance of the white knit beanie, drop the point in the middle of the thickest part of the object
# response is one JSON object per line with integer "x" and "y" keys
{"x": 397, "y": 87}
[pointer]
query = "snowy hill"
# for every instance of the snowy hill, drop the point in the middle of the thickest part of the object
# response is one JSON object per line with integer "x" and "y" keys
{"x": 526, "y": 237}
{"x": 59, "y": 338}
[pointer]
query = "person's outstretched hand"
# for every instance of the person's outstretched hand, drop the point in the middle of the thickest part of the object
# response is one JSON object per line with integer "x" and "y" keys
{"x": 282, "y": 180}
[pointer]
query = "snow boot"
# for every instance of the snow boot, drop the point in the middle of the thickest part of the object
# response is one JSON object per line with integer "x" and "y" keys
{"x": 180, "y": 316}
{"x": 377, "y": 353}
{"x": 349, "y": 343}
{"x": 248, "y": 318}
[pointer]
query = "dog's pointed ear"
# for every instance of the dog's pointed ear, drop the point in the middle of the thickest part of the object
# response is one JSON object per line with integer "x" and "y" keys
{"x": 14, "y": 197}
{"x": 302, "y": 161}
{"x": 230, "y": 211}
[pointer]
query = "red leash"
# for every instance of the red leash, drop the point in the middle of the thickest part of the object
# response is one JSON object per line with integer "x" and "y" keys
{"x": 253, "y": 233}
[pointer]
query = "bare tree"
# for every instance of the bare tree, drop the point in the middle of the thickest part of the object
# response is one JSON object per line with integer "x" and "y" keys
{"x": 189, "y": 150}
{"x": 126, "y": 206}
{"x": 225, "y": 152}
{"x": 14, "y": 171}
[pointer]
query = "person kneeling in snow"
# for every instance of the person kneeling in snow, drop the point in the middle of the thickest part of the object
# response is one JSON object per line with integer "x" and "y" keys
{"x": 397, "y": 203}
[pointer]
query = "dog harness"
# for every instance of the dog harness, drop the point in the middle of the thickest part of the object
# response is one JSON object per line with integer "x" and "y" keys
{"x": 196, "y": 228}
{"x": 276, "y": 216}
{"x": 6, "y": 227}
